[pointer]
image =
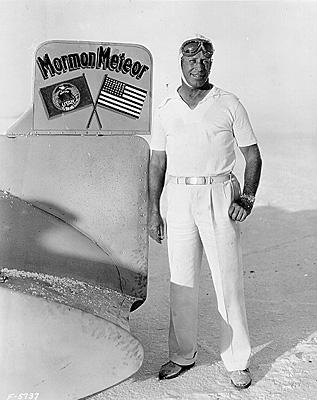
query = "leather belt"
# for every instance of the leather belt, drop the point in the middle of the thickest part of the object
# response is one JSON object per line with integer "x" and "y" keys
{"x": 199, "y": 180}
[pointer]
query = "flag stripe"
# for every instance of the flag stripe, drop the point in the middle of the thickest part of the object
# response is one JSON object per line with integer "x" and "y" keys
{"x": 135, "y": 100}
{"x": 125, "y": 99}
{"x": 119, "y": 109}
{"x": 139, "y": 90}
{"x": 118, "y": 106}
{"x": 135, "y": 93}
{"x": 113, "y": 99}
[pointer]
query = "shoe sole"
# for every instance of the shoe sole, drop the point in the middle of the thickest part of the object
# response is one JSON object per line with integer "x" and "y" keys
{"x": 183, "y": 369}
{"x": 243, "y": 386}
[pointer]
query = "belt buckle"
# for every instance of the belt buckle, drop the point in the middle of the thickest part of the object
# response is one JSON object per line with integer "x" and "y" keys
{"x": 191, "y": 180}
{"x": 195, "y": 180}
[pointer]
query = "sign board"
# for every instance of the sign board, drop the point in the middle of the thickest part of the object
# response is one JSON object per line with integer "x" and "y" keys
{"x": 89, "y": 88}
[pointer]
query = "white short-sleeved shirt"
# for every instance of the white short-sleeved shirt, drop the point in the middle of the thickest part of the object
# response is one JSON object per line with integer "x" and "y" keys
{"x": 200, "y": 142}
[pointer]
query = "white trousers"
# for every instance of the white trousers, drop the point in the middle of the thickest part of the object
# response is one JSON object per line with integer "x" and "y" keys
{"x": 197, "y": 219}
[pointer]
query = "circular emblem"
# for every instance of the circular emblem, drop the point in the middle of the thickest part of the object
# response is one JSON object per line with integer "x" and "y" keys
{"x": 66, "y": 97}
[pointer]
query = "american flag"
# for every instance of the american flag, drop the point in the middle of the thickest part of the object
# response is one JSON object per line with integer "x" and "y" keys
{"x": 121, "y": 97}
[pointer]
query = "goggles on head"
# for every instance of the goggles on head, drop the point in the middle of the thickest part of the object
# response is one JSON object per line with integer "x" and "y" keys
{"x": 193, "y": 46}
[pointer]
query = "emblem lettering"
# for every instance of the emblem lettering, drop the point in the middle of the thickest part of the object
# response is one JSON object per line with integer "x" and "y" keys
{"x": 66, "y": 97}
{"x": 101, "y": 59}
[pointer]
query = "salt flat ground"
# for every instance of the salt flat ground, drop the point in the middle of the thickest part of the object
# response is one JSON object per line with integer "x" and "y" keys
{"x": 280, "y": 255}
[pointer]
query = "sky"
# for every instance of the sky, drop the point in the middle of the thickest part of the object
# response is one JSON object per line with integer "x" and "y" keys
{"x": 266, "y": 51}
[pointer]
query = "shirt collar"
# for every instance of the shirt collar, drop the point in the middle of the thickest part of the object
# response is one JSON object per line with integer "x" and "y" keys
{"x": 215, "y": 92}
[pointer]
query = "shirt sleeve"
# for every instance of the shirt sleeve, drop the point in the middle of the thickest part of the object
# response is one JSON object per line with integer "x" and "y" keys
{"x": 242, "y": 128}
{"x": 158, "y": 139}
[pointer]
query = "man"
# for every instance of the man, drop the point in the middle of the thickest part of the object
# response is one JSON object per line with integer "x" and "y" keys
{"x": 193, "y": 142}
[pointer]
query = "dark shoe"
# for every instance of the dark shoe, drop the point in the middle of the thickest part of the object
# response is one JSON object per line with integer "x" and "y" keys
{"x": 171, "y": 370}
{"x": 241, "y": 379}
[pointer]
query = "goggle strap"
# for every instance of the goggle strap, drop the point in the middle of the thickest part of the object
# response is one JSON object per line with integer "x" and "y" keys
{"x": 200, "y": 44}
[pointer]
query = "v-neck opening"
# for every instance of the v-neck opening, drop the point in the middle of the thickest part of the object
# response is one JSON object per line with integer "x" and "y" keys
{"x": 208, "y": 95}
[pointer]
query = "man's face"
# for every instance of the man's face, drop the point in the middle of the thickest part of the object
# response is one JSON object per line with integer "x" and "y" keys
{"x": 196, "y": 69}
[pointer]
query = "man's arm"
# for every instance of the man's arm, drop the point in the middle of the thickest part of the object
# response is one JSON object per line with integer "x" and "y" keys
{"x": 241, "y": 208}
{"x": 157, "y": 171}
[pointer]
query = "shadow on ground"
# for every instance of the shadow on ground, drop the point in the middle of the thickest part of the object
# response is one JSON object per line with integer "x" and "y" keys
{"x": 280, "y": 274}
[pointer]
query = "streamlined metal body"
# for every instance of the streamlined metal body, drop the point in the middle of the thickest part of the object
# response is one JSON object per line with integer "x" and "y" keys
{"x": 73, "y": 214}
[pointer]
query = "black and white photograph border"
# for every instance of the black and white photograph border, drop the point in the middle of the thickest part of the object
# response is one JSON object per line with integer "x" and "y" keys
{"x": 266, "y": 55}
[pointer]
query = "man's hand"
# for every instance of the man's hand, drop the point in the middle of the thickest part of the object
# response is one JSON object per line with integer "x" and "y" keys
{"x": 157, "y": 170}
{"x": 156, "y": 226}
{"x": 237, "y": 212}
{"x": 242, "y": 207}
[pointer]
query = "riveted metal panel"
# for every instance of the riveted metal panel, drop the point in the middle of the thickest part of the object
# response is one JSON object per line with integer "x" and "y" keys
{"x": 97, "y": 185}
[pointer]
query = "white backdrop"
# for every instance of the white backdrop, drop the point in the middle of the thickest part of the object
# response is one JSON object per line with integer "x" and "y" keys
{"x": 266, "y": 51}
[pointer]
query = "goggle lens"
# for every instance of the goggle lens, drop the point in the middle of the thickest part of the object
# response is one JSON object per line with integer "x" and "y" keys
{"x": 194, "y": 46}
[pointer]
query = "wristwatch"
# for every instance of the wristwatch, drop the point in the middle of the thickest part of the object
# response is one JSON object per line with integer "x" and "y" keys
{"x": 247, "y": 201}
